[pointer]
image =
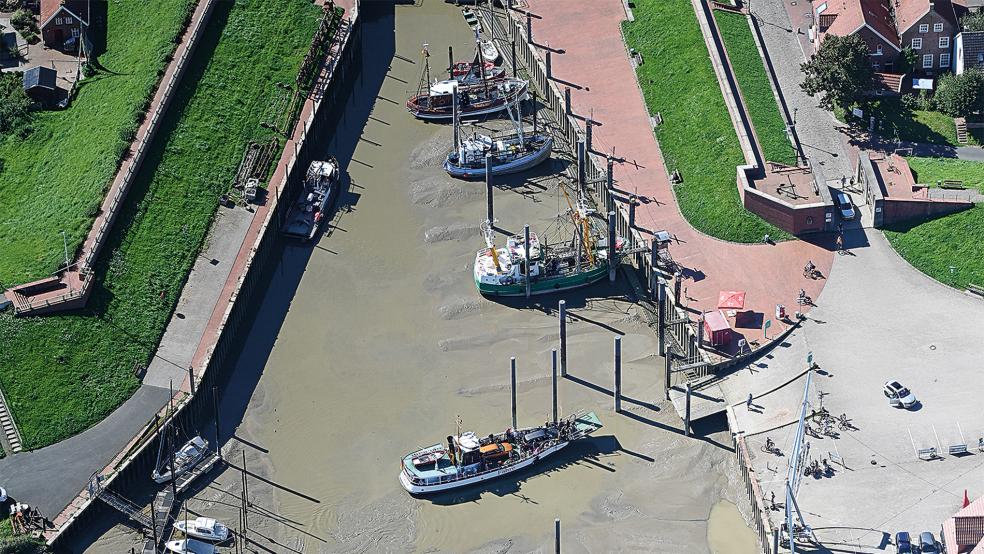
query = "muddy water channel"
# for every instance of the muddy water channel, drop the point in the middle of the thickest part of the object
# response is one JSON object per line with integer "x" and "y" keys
{"x": 374, "y": 342}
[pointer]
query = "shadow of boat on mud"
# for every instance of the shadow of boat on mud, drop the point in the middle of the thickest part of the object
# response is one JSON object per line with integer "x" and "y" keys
{"x": 587, "y": 451}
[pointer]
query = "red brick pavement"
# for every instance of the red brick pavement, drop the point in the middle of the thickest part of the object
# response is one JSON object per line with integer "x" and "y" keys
{"x": 595, "y": 59}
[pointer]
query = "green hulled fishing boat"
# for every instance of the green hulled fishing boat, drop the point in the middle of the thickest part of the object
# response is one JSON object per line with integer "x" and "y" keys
{"x": 578, "y": 262}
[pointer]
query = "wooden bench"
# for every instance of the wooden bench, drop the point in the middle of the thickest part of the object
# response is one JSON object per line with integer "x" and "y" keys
{"x": 975, "y": 289}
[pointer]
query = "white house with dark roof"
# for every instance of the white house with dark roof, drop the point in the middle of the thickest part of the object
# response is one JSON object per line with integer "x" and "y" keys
{"x": 968, "y": 51}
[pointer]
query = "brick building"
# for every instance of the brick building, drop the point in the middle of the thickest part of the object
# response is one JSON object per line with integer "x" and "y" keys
{"x": 62, "y": 23}
{"x": 928, "y": 27}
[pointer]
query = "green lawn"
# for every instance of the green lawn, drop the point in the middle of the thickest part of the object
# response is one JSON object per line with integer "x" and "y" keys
{"x": 954, "y": 240}
{"x": 63, "y": 373}
{"x": 749, "y": 68}
{"x": 930, "y": 170}
{"x": 54, "y": 179}
{"x": 696, "y": 136}
{"x": 895, "y": 120}
{"x": 934, "y": 246}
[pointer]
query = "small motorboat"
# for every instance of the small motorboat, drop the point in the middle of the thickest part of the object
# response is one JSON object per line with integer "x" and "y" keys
{"x": 204, "y": 528}
{"x": 184, "y": 459}
{"x": 489, "y": 51}
{"x": 190, "y": 546}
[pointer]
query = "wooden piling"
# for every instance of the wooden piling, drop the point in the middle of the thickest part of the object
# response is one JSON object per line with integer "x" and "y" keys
{"x": 512, "y": 381}
{"x": 562, "y": 308}
{"x": 553, "y": 358}
{"x": 618, "y": 374}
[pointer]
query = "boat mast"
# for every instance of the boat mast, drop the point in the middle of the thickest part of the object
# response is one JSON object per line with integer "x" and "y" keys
{"x": 454, "y": 121}
{"x": 489, "y": 234}
{"x": 517, "y": 124}
{"x": 481, "y": 63}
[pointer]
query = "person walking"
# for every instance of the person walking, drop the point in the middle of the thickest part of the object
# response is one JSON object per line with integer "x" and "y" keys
{"x": 748, "y": 403}
{"x": 840, "y": 243}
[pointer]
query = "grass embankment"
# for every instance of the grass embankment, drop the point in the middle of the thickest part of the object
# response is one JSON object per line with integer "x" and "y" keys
{"x": 931, "y": 170}
{"x": 63, "y": 373}
{"x": 54, "y": 178}
{"x": 935, "y": 246}
{"x": 749, "y": 68}
{"x": 696, "y": 136}
{"x": 895, "y": 120}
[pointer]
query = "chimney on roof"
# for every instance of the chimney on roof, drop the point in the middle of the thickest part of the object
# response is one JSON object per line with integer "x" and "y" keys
{"x": 932, "y": 6}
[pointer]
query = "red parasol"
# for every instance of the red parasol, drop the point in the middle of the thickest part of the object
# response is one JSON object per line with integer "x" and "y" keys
{"x": 731, "y": 300}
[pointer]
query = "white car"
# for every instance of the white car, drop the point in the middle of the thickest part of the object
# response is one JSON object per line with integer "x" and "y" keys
{"x": 844, "y": 205}
{"x": 898, "y": 395}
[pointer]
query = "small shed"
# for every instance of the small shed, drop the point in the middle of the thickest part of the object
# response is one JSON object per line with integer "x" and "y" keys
{"x": 717, "y": 330}
{"x": 41, "y": 84}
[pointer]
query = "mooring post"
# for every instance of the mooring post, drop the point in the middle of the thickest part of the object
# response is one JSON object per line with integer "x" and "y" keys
{"x": 618, "y": 374}
{"x": 512, "y": 381}
{"x": 549, "y": 63}
{"x": 610, "y": 188}
{"x": 632, "y": 210}
{"x": 526, "y": 254}
{"x": 661, "y": 317}
{"x": 612, "y": 256}
{"x": 562, "y": 307}
{"x": 580, "y": 166}
{"x": 191, "y": 378}
{"x": 567, "y": 100}
{"x": 450, "y": 62}
{"x": 557, "y": 536}
{"x": 529, "y": 27}
{"x": 775, "y": 540}
{"x": 215, "y": 409}
{"x": 587, "y": 134}
{"x": 653, "y": 275}
{"x": 513, "y": 42}
{"x": 490, "y": 215}
{"x": 686, "y": 419}
{"x": 668, "y": 362}
{"x": 553, "y": 365}
{"x": 700, "y": 330}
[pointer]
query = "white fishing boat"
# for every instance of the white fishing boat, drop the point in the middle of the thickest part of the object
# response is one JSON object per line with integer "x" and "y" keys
{"x": 204, "y": 528}
{"x": 190, "y": 546}
{"x": 320, "y": 184}
{"x": 468, "y": 459}
{"x": 498, "y": 154}
{"x": 489, "y": 51}
{"x": 184, "y": 459}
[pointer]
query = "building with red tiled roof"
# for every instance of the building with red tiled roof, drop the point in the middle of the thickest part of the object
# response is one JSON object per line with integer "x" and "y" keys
{"x": 889, "y": 26}
{"x": 869, "y": 19}
{"x": 963, "y": 533}
{"x": 928, "y": 27}
{"x": 62, "y": 22}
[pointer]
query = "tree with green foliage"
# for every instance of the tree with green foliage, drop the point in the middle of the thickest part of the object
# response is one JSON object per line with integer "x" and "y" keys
{"x": 22, "y": 545}
{"x": 907, "y": 61}
{"x": 15, "y": 106}
{"x": 961, "y": 95}
{"x": 973, "y": 22}
{"x": 839, "y": 72}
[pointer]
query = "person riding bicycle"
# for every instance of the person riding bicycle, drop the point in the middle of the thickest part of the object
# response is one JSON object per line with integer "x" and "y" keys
{"x": 770, "y": 445}
{"x": 810, "y": 268}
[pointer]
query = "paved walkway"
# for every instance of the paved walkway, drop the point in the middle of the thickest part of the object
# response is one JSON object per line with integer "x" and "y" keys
{"x": 824, "y": 139}
{"x": 879, "y": 319}
{"x": 51, "y": 477}
{"x": 769, "y": 274}
{"x": 970, "y": 153}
